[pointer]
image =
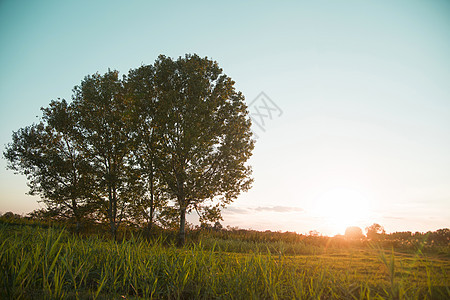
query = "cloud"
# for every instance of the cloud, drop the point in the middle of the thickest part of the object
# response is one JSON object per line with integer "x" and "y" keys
{"x": 235, "y": 210}
{"x": 394, "y": 218}
{"x": 248, "y": 210}
{"x": 280, "y": 209}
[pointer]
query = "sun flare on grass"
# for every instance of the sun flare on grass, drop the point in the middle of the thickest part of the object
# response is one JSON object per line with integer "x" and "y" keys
{"x": 340, "y": 208}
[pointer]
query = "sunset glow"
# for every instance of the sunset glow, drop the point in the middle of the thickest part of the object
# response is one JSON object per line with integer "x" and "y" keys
{"x": 354, "y": 125}
{"x": 340, "y": 208}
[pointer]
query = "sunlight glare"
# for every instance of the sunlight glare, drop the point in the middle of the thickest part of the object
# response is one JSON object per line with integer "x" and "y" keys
{"x": 341, "y": 208}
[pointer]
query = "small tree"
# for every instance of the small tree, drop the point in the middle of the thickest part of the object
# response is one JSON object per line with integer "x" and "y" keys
{"x": 353, "y": 233}
{"x": 375, "y": 232}
{"x": 50, "y": 158}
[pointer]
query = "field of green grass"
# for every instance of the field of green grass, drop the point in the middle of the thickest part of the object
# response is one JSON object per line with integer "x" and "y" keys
{"x": 52, "y": 263}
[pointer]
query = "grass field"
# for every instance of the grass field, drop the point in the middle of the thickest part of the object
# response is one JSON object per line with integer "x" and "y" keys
{"x": 52, "y": 263}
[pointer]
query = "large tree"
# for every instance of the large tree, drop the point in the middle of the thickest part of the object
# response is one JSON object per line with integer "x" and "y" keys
{"x": 142, "y": 104}
{"x": 204, "y": 136}
{"x": 104, "y": 135}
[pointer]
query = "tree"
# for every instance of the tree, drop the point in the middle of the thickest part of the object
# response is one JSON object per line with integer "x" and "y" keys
{"x": 353, "y": 233}
{"x": 204, "y": 136}
{"x": 48, "y": 155}
{"x": 142, "y": 103}
{"x": 375, "y": 231}
{"x": 104, "y": 135}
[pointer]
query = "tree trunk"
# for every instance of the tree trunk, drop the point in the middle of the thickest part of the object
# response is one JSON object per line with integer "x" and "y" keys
{"x": 111, "y": 216}
{"x": 183, "y": 205}
{"x": 150, "y": 222}
{"x": 152, "y": 201}
{"x": 182, "y": 232}
{"x": 77, "y": 216}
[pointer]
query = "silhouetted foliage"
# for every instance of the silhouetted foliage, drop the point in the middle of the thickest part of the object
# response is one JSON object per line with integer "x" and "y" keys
{"x": 375, "y": 232}
{"x": 10, "y": 216}
{"x": 353, "y": 233}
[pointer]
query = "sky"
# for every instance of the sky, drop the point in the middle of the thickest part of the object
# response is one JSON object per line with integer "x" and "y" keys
{"x": 350, "y": 99}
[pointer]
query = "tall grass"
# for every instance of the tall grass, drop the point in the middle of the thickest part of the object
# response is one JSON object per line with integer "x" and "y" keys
{"x": 54, "y": 264}
{"x": 279, "y": 247}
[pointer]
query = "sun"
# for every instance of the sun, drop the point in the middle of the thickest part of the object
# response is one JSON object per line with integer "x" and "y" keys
{"x": 340, "y": 208}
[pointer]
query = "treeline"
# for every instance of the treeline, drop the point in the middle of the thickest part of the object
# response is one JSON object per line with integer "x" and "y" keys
{"x": 147, "y": 148}
{"x": 440, "y": 237}
{"x": 234, "y": 239}
{"x": 408, "y": 239}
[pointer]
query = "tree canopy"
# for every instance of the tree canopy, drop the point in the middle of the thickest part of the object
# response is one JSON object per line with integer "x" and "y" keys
{"x": 167, "y": 139}
{"x": 204, "y": 135}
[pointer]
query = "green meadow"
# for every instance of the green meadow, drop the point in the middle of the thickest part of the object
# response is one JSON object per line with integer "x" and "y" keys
{"x": 53, "y": 263}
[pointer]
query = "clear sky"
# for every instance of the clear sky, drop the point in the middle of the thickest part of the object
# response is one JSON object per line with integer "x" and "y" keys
{"x": 361, "y": 130}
